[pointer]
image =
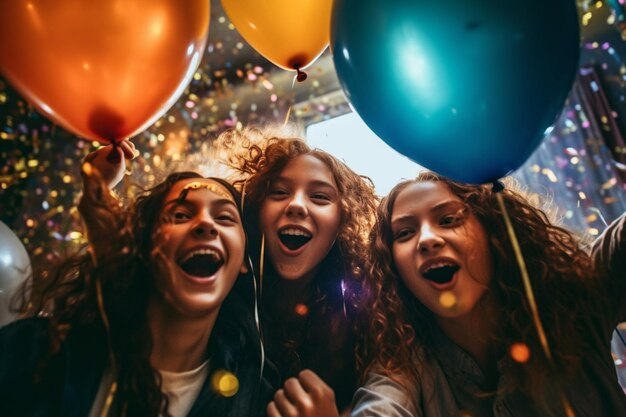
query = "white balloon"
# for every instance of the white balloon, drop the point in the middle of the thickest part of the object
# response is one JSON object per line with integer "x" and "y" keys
{"x": 14, "y": 269}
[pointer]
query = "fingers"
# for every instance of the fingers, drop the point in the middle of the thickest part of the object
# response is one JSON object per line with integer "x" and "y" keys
{"x": 272, "y": 410}
{"x": 315, "y": 386}
{"x": 128, "y": 148}
{"x": 284, "y": 405}
{"x": 304, "y": 396}
{"x": 298, "y": 396}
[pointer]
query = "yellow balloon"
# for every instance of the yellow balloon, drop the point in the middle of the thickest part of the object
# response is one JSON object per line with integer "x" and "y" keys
{"x": 291, "y": 34}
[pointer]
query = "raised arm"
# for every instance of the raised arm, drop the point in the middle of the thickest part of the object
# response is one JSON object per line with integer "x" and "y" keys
{"x": 99, "y": 208}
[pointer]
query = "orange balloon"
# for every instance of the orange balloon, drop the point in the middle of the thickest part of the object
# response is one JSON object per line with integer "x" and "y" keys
{"x": 104, "y": 69}
{"x": 290, "y": 33}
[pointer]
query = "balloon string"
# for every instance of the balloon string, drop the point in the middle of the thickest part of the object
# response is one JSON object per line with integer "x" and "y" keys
{"x": 287, "y": 116}
{"x": 257, "y": 291}
{"x": 114, "y": 156}
{"x": 261, "y": 265}
{"x": 530, "y": 296}
{"x": 105, "y": 322}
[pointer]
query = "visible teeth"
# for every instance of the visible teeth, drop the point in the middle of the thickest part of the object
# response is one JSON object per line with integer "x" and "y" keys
{"x": 207, "y": 251}
{"x": 295, "y": 232}
{"x": 438, "y": 265}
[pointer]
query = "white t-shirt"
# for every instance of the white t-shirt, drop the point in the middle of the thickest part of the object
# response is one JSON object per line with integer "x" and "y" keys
{"x": 181, "y": 388}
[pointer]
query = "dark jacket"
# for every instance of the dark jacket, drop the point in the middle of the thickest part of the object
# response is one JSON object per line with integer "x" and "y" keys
{"x": 35, "y": 384}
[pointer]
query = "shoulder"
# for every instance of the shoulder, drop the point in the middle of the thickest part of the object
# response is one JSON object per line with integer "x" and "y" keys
{"x": 383, "y": 396}
{"x": 22, "y": 333}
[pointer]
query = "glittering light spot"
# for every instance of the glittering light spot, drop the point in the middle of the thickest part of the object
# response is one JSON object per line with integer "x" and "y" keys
{"x": 609, "y": 184}
{"x": 519, "y": 352}
{"x": 593, "y": 231}
{"x": 32, "y": 163}
{"x": 30, "y": 223}
{"x": 618, "y": 362}
{"x": 598, "y": 4}
{"x": 574, "y": 160}
{"x": 447, "y": 299}
{"x": 224, "y": 383}
{"x": 582, "y": 195}
{"x": 301, "y": 310}
{"x": 548, "y": 173}
{"x": 75, "y": 235}
{"x": 87, "y": 168}
{"x": 67, "y": 179}
{"x": 197, "y": 76}
{"x": 586, "y": 17}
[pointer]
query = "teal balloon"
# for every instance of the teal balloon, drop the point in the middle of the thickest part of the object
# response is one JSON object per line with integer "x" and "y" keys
{"x": 466, "y": 88}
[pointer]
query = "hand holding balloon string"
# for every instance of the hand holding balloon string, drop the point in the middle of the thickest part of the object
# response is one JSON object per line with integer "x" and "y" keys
{"x": 110, "y": 161}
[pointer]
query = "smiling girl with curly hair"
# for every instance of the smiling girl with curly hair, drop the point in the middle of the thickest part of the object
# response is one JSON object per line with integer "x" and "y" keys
{"x": 451, "y": 332}
{"x": 308, "y": 217}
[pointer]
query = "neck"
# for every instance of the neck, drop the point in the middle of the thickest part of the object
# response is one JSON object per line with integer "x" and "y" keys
{"x": 180, "y": 342}
{"x": 476, "y": 333}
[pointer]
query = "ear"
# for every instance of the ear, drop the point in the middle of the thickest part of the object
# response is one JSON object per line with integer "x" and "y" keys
{"x": 244, "y": 268}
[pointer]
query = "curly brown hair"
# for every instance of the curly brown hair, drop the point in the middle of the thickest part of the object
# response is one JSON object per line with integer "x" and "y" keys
{"x": 258, "y": 156}
{"x": 560, "y": 270}
{"x": 123, "y": 258}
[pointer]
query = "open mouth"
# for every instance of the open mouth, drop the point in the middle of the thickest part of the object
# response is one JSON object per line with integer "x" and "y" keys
{"x": 293, "y": 238}
{"x": 441, "y": 274}
{"x": 201, "y": 263}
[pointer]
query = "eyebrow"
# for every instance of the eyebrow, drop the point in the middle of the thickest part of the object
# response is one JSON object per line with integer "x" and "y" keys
{"x": 316, "y": 183}
{"x": 221, "y": 202}
{"x": 436, "y": 208}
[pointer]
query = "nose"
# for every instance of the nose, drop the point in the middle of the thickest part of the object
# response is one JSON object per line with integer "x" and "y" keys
{"x": 429, "y": 239}
{"x": 204, "y": 227}
{"x": 296, "y": 206}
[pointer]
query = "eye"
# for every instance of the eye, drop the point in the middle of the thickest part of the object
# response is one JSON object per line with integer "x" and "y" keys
{"x": 180, "y": 215}
{"x": 454, "y": 219}
{"x": 320, "y": 197}
{"x": 403, "y": 234}
{"x": 226, "y": 217}
{"x": 277, "y": 193}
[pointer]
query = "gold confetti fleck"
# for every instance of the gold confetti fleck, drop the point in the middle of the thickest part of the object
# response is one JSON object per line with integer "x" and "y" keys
{"x": 224, "y": 383}
{"x": 447, "y": 299}
{"x": 301, "y": 309}
{"x": 519, "y": 352}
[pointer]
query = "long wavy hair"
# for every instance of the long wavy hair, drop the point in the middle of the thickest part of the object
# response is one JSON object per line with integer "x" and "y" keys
{"x": 119, "y": 269}
{"x": 561, "y": 274}
{"x": 259, "y": 156}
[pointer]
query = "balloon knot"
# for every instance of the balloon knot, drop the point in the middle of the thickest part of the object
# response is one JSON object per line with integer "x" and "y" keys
{"x": 300, "y": 75}
{"x": 497, "y": 186}
{"x": 114, "y": 156}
